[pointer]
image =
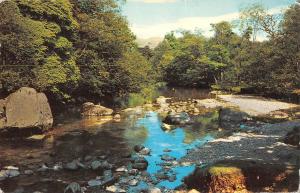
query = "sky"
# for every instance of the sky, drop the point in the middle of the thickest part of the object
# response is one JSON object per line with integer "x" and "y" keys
{"x": 155, "y": 18}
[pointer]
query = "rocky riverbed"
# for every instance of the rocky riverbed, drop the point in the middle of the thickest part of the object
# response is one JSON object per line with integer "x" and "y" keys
{"x": 139, "y": 152}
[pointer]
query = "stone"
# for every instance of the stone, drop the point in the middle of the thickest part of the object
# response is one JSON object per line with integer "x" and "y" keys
{"x": 95, "y": 165}
{"x": 139, "y": 163}
{"x": 133, "y": 172}
{"x": 72, "y": 165}
{"x": 90, "y": 109}
{"x": 28, "y": 172}
{"x": 114, "y": 188}
{"x": 162, "y": 101}
{"x": 228, "y": 117}
{"x": 133, "y": 182}
{"x": 167, "y": 157}
{"x": 43, "y": 168}
{"x": 26, "y": 108}
{"x": 1, "y": 191}
{"x": 140, "y": 166}
{"x": 122, "y": 169}
{"x": 154, "y": 190}
{"x": 293, "y": 137}
{"x": 117, "y": 117}
{"x": 178, "y": 119}
{"x": 88, "y": 158}
{"x": 145, "y": 151}
{"x": 4, "y": 174}
{"x": 37, "y": 137}
{"x": 93, "y": 183}
{"x": 57, "y": 167}
{"x": 73, "y": 187}
{"x": 107, "y": 174}
{"x": 161, "y": 176}
{"x": 138, "y": 148}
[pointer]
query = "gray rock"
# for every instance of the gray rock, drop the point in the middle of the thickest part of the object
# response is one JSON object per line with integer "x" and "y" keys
{"x": 73, "y": 188}
{"x": 139, "y": 163}
{"x": 154, "y": 190}
{"x": 228, "y": 117}
{"x": 43, "y": 168}
{"x": 28, "y": 172}
{"x": 107, "y": 174}
{"x": 140, "y": 166}
{"x": 72, "y": 165}
{"x": 88, "y": 158}
{"x": 161, "y": 176}
{"x": 122, "y": 169}
{"x": 133, "y": 172}
{"x": 26, "y": 108}
{"x": 167, "y": 157}
{"x": 95, "y": 165}
{"x": 138, "y": 148}
{"x": 133, "y": 182}
{"x": 93, "y": 183}
{"x": 145, "y": 151}
{"x": 115, "y": 189}
{"x": 4, "y": 174}
{"x": 178, "y": 119}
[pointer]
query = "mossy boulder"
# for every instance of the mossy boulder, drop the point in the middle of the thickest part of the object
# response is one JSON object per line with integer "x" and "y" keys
{"x": 244, "y": 176}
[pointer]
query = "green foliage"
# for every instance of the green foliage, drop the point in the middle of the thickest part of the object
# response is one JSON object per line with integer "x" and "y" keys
{"x": 70, "y": 49}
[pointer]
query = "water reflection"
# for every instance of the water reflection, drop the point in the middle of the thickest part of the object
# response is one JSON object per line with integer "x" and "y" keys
{"x": 178, "y": 141}
{"x": 96, "y": 137}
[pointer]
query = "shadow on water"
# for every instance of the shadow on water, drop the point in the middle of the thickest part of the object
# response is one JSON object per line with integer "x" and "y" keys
{"x": 97, "y": 137}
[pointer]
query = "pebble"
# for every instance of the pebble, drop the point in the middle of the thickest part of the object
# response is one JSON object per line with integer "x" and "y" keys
{"x": 145, "y": 151}
{"x": 167, "y": 157}
{"x": 72, "y": 165}
{"x": 114, "y": 188}
{"x": 93, "y": 183}
{"x": 133, "y": 182}
{"x": 133, "y": 172}
{"x": 73, "y": 187}
{"x": 154, "y": 190}
{"x": 122, "y": 169}
{"x": 138, "y": 148}
{"x": 28, "y": 172}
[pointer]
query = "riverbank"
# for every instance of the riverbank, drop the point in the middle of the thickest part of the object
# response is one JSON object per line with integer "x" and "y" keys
{"x": 254, "y": 148}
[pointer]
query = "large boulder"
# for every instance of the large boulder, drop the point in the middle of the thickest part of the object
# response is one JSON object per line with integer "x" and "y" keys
{"x": 90, "y": 109}
{"x": 26, "y": 108}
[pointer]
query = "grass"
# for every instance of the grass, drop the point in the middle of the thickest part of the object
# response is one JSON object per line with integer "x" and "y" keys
{"x": 221, "y": 170}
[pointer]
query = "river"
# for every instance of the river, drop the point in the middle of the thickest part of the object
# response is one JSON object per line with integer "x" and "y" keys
{"x": 109, "y": 140}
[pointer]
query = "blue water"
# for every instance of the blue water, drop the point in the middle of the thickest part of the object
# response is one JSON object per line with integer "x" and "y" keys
{"x": 158, "y": 140}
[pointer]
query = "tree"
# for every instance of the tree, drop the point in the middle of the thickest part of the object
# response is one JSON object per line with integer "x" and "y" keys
{"x": 36, "y": 39}
{"x": 258, "y": 19}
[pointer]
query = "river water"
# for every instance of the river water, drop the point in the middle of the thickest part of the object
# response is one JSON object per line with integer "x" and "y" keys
{"x": 104, "y": 137}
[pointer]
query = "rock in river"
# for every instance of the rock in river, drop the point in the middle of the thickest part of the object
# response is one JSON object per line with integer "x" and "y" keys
{"x": 9, "y": 173}
{"x": 26, "y": 108}
{"x": 178, "y": 119}
{"x": 139, "y": 163}
{"x": 90, "y": 109}
{"x": 73, "y": 188}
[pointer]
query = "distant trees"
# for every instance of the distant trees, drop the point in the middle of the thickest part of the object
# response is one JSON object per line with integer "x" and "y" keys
{"x": 229, "y": 59}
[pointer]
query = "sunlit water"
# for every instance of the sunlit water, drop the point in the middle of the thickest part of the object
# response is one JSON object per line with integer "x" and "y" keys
{"x": 95, "y": 137}
{"x": 176, "y": 140}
